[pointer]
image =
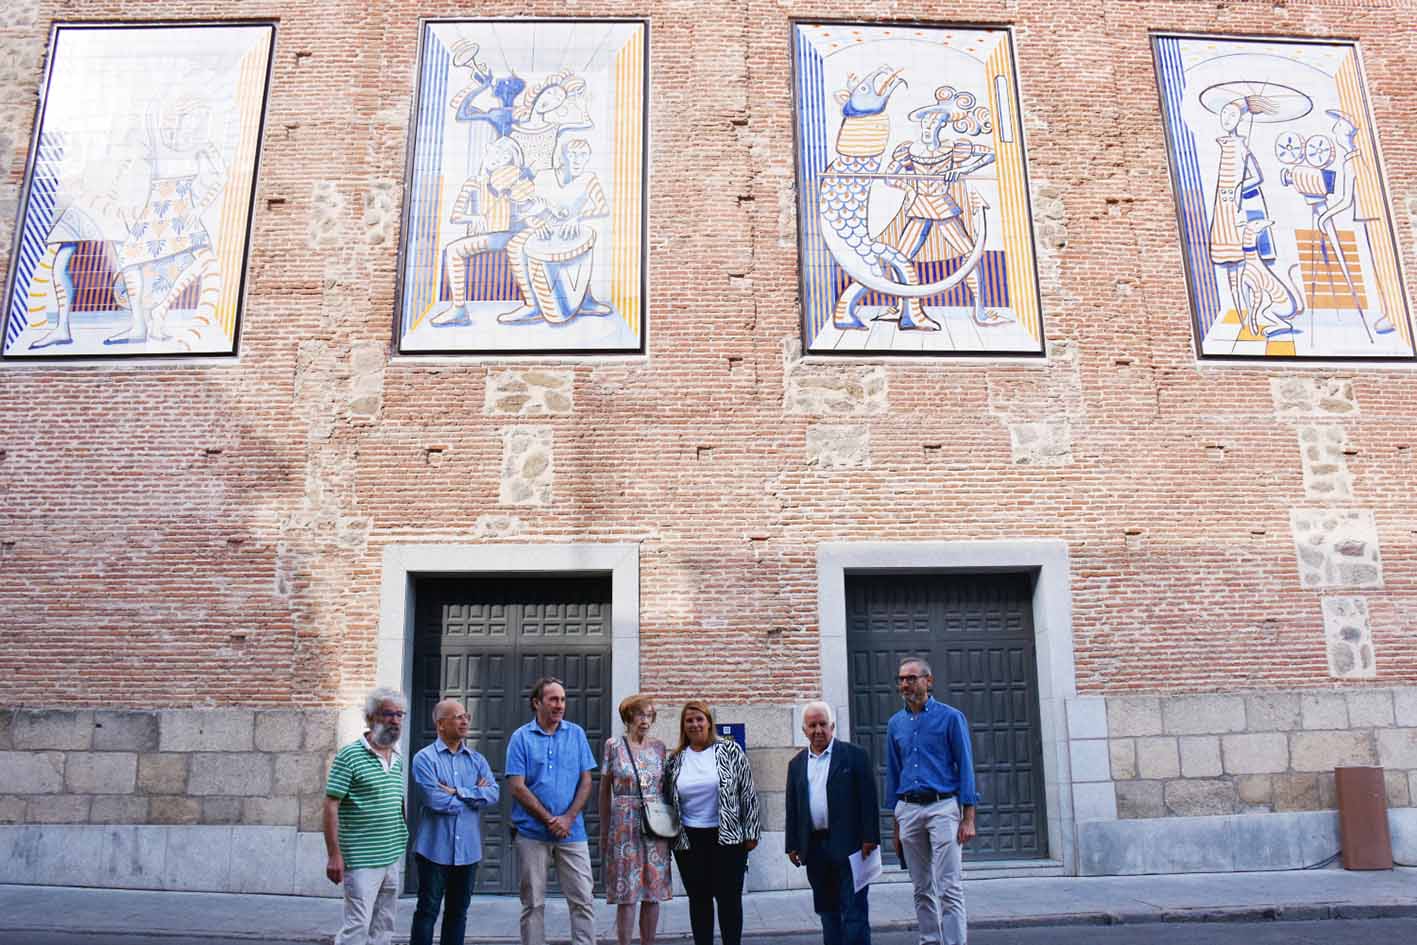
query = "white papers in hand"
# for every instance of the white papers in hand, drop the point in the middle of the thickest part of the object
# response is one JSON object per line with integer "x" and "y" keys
{"x": 866, "y": 871}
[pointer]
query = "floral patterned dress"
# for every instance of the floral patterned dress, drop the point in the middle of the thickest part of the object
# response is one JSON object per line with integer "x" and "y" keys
{"x": 636, "y": 865}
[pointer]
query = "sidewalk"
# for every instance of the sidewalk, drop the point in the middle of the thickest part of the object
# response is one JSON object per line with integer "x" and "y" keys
{"x": 993, "y": 903}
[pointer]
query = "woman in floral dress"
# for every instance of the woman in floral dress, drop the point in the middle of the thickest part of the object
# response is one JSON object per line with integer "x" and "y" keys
{"x": 636, "y": 864}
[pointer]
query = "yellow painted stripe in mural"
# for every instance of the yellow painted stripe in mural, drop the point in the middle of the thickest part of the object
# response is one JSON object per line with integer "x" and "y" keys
{"x": 1370, "y": 194}
{"x": 1013, "y": 194}
{"x": 626, "y": 250}
{"x": 231, "y": 229}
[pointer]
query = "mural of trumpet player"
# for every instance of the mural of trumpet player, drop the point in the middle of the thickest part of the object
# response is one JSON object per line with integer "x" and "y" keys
{"x": 914, "y": 221}
{"x": 1288, "y": 241}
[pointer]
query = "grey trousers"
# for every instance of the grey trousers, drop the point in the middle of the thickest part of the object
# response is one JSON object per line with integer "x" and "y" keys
{"x": 577, "y": 883}
{"x": 929, "y": 836}
{"x": 370, "y": 899}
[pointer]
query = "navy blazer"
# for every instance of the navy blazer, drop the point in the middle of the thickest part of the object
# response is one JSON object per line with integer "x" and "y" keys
{"x": 853, "y": 804}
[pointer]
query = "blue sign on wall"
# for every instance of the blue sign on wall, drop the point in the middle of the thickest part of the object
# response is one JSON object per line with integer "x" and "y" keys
{"x": 733, "y": 731}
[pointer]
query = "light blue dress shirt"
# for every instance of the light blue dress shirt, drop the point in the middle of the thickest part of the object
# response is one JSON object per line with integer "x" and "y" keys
{"x": 930, "y": 751}
{"x": 450, "y": 826}
{"x": 551, "y": 765}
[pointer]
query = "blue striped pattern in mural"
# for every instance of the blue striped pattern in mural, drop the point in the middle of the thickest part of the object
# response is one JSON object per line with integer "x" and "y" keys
{"x": 1190, "y": 192}
{"x": 39, "y": 217}
{"x": 423, "y": 279}
{"x": 812, "y": 156}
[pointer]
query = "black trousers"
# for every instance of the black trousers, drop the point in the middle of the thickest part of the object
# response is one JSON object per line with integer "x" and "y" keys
{"x": 713, "y": 873}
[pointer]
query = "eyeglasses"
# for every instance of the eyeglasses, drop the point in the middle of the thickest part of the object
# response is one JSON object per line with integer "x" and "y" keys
{"x": 386, "y": 714}
{"x": 911, "y": 679}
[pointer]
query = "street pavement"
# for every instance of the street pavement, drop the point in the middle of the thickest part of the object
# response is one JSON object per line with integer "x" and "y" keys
{"x": 1103, "y": 910}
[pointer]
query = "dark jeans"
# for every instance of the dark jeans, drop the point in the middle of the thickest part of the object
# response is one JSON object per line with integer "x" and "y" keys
{"x": 436, "y": 882}
{"x": 713, "y": 873}
{"x": 845, "y": 913}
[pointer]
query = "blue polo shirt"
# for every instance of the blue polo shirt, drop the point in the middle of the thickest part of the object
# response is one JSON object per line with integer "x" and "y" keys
{"x": 930, "y": 751}
{"x": 551, "y": 764}
{"x": 450, "y": 827}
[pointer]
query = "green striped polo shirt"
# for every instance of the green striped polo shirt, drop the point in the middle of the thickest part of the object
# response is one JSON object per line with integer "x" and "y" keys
{"x": 372, "y": 832}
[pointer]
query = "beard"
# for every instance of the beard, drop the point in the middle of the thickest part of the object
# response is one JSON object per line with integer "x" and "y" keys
{"x": 384, "y": 735}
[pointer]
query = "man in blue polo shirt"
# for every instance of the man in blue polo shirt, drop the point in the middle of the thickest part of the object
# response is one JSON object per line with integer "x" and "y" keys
{"x": 930, "y": 779}
{"x": 548, "y": 772}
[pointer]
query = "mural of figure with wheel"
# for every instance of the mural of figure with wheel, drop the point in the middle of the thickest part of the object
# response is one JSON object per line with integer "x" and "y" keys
{"x": 1270, "y": 208}
{"x": 914, "y": 221}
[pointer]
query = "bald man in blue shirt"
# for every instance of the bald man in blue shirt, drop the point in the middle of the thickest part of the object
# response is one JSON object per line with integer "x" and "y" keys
{"x": 930, "y": 780}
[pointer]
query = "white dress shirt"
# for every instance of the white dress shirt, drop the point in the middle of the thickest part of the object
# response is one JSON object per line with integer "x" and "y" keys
{"x": 817, "y": 767}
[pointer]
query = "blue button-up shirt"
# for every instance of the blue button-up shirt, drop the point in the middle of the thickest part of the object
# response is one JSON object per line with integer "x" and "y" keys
{"x": 450, "y": 825}
{"x": 930, "y": 751}
{"x": 551, "y": 764}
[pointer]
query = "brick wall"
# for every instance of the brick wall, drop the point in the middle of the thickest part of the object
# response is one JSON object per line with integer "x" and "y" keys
{"x": 210, "y": 534}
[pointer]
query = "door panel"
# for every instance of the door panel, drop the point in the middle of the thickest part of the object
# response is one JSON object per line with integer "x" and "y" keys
{"x": 484, "y": 640}
{"x": 977, "y": 632}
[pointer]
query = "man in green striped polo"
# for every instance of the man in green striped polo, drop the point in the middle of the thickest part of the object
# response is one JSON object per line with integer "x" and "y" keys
{"x": 365, "y": 833}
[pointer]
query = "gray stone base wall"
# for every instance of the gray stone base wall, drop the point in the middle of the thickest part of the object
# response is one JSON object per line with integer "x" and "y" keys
{"x": 1257, "y": 752}
{"x": 165, "y": 767}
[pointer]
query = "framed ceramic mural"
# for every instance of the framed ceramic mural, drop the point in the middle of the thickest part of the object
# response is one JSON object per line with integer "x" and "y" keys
{"x": 135, "y": 215}
{"x": 915, "y": 232}
{"x": 524, "y": 218}
{"x": 1288, "y": 238}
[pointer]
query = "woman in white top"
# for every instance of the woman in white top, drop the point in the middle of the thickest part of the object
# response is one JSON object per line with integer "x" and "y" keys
{"x": 709, "y": 781}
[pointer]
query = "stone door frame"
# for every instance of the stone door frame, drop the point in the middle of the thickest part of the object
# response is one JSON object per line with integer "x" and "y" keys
{"x": 1053, "y": 631}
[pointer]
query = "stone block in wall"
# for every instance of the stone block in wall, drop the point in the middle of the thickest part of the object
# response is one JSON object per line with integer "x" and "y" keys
{"x": 1200, "y": 798}
{"x": 1322, "y": 449}
{"x": 1158, "y": 757}
{"x": 1327, "y": 397}
{"x": 1396, "y": 785}
{"x": 1272, "y": 712}
{"x": 1138, "y": 800}
{"x": 1324, "y": 751}
{"x": 1087, "y": 717}
{"x": 1133, "y": 715}
{"x": 831, "y": 390}
{"x": 1369, "y": 708}
{"x": 1256, "y": 753}
{"x": 528, "y": 468}
{"x": 1122, "y": 753}
{"x": 119, "y": 809}
{"x": 1404, "y": 704}
{"x": 272, "y": 811}
{"x": 298, "y": 773}
{"x": 1348, "y": 640}
{"x": 21, "y": 14}
{"x": 206, "y": 730}
{"x": 766, "y": 726}
{"x": 174, "y": 810}
{"x": 58, "y": 809}
{"x": 325, "y": 222}
{"x": 1255, "y": 792}
{"x": 237, "y": 774}
{"x": 1200, "y": 756}
{"x": 1324, "y": 710}
{"x": 12, "y": 809}
{"x": 101, "y": 772}
{"x": 1203, "y": 714}
{"x": 278, "y": 730}
{"x": 320, "y": 726}
{"x": 497, "y": 526}
{"x": 124, "y": 730}
{"x": 312, "y": 811}
{"x": 1412, "y": 787}
{"x": 529, "y": 392}
{"x": 1336, "y": 547}
{"x": 1091, "y": 759}
{"x": 367, "y": 361}
{"x": 32, "y": 772}
{"x": 770, "y": 766}
{"x": 6, "y": 741}
{"x": 1094, "y": 800}
{"x": 1046, "y": 442}
{"x": 52, "y": 730}
{"x": 838, "y": 446}
{"x": 1397, "y": 748}
{"x": 162, "y": 773}
{"x": 221, "y": 810}
{"x": 772, "y": 809}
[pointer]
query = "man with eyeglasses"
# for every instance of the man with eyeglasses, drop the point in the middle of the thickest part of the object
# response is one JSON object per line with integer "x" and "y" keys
{"x": 454, "y": 783}
{"x": 365, "y": 834}
{"x": 930, "y": 779}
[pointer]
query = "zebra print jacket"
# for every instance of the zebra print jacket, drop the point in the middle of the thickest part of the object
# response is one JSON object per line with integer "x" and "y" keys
{"x": 737, "y": 797}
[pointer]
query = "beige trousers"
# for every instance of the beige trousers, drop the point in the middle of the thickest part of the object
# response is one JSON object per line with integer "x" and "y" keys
{"x": 929, "y": 835}
{"x": 370, "y": 899}
{"x": 573, "y": 868}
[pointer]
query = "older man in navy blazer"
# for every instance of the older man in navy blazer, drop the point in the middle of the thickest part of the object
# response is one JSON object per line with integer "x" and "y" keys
{"x": 833, "y": 811}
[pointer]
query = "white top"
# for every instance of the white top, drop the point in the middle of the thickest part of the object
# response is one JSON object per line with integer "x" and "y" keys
{"x": 698, "y": 787}
{"x": 817, "y": 768}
